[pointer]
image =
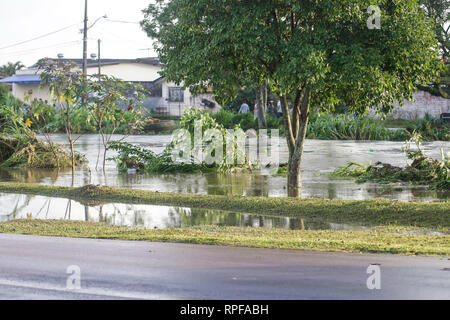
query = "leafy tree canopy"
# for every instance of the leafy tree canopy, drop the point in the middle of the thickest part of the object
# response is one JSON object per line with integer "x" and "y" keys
{"x": 438, "y": 11}
{"x": 325, "y": 46}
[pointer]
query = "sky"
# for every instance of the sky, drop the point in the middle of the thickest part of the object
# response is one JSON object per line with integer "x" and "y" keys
{"x": 22, "y": 20}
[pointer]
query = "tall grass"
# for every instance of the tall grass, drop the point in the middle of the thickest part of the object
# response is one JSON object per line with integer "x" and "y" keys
{"x": 343, "y": 127}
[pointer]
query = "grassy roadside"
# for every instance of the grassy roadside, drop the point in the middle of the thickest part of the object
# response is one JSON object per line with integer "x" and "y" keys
{"x": 376, "y": 212}
{"x": 377, "y": 240}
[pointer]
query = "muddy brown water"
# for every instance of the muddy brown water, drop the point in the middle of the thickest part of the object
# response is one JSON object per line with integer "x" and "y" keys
{"x": 321, "y": 158}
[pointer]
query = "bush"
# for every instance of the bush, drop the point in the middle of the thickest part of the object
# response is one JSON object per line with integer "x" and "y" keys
{"x": 135, "y": 157}
{"x": 224, "y": 118}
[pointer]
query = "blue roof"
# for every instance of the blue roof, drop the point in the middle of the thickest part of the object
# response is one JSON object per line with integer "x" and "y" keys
{"x": 22, "y": 78}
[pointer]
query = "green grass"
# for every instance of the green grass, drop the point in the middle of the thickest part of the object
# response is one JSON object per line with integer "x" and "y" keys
{"x": 399, "y": 123}
{"x": 377, "y": 240}
{"x": 376, "y": 212}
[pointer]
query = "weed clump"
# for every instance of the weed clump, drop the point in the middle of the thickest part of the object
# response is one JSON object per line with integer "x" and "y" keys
{"x": 422, "y": 171}
{"x": 31, "y": 152}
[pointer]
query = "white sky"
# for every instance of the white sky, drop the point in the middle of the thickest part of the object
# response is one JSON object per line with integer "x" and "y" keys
{"x": 21, "y": 20}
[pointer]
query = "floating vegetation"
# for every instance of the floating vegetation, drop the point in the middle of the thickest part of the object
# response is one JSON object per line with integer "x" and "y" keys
{"x": 31, "y": 152}
{"x": 422, "y": 171}
{"x": 140, "y": 159}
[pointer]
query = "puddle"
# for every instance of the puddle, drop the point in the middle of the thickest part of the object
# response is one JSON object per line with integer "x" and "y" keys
{"x": 321, "y": 157}
{"x": 17, "y": 206}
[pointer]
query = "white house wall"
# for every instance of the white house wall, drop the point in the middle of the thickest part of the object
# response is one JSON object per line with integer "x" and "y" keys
{"x": 130, "y": 71}
{"x": 21, "y": 90}
{"x": 177, "y": 108}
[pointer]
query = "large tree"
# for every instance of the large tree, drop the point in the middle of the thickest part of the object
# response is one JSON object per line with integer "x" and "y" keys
{"x": 314, "y": 54}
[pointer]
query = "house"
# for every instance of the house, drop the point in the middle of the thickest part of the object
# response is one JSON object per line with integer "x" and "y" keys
{"x": 163, "y": 98}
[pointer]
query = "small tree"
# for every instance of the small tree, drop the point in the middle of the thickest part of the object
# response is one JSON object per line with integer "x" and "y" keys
{"x": 114, "y": 103}
{"x": 317, "y": 54}
{"x": 67, "y": 85}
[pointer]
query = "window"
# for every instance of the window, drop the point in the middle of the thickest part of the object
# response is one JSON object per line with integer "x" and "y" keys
{"x": 176, "y": 94}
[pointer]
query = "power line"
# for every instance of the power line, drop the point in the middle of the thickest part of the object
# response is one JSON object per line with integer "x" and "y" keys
{"x": 120, "y": 21}
{"x": 40, "y": 37}
{"x": 25, "y": 51}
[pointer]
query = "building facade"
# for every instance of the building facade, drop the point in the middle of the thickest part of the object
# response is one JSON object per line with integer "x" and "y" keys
{"x": 163, "y": 97}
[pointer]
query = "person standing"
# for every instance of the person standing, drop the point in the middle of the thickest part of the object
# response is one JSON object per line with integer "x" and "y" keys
{"x": 244, "y": 108}
{"x": 280, "y": 109}
{"x": 256, "y": 111}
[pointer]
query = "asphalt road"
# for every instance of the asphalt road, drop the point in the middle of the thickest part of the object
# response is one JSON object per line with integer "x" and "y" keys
{"x": 36, "y": 268}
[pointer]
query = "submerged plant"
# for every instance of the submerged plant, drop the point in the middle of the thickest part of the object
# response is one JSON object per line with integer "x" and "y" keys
{"x": 135, "y": 157}
{"x": 143, "y": 160}
{"x": 423, "y": 170}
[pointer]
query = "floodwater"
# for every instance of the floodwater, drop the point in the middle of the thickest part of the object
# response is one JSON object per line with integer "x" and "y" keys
{"x": 321, "y": 158}
{"x": 17, "y": 206}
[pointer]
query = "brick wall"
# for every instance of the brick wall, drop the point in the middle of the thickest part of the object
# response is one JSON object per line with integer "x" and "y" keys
{"x": 425, "y": 103}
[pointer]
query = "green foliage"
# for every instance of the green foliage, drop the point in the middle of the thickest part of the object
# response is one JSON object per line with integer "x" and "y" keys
{"x": 438, "y": 11}
{"x": 135, "y": 157}
{"x": 206, "y": 44}
{"x": 7, "y": 99}
{"x": 31, "y": 152}
{"x": 430, "y": 129}
{"x": 344, "y": 127}
{"x": 10, "y": 69}
{"x": 142, "y": 160}
{"x": 423, "y": 170}
{"x": 114, "y": 104}
{"x": 19, "y": 146}
{"x": 245, "y": 121}
{"x": 225, "y": 118}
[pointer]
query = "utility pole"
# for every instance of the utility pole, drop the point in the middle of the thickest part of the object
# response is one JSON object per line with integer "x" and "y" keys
{"x": 85, "y": 37}
{"x": 99, "y": 60}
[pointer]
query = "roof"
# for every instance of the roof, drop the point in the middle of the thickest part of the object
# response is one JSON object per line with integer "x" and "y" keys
{"x": 22, "y": 78}
{"x": 106, "y": 62}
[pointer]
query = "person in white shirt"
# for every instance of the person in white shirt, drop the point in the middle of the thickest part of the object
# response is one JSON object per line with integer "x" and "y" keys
{"x": 256, "y": 110}
{"x": 280, "y": 109}
{"x": 244, "y": 108}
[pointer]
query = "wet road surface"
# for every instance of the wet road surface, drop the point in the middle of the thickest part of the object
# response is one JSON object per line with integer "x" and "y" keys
{"x": 36, "y": 268}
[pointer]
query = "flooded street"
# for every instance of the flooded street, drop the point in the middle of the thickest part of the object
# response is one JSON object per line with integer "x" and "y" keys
{"x": 17, "y": 206}
{"x": 321, "y": 158}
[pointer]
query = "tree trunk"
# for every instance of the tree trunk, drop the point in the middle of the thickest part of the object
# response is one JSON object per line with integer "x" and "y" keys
{"x": 262, "y": 104}
{"x": 296, "y": 135}
{"x": 72, "y": 153}
{"x": 294, "y": 178}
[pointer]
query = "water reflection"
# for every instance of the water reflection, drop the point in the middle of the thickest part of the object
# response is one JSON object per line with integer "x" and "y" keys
{"x": 321, "y": 157}
{"x": 16, "y": 206}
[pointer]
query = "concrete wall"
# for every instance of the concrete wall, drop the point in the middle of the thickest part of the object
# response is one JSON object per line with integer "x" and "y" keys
{"x": 425, "y": 103}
